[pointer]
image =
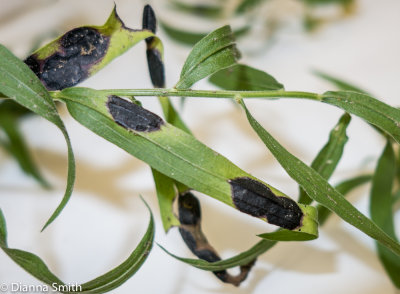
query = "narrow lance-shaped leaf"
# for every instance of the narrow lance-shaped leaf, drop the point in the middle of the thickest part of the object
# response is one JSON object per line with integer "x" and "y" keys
{"x": 15, "y": 144}
{"x": 214, "y": 52}
{"x": 204, "y": 10}
{"x": 107, "y": 282}
{"x": 244, "y": 78}
{"x": 345, "y": 86}
{"x": 375, "y": 112}
{"x": 319, "y": 189}
{"x": 339, "y": 83}
{"x": 343, "y": 188}
{"x": 328, "y": 158}
{"x": 180, "y": 156}
{"x": 190, "y": 38}
{"x": 83, "y": 51}
{"x": 20, "y": 84}
{"x": 166, "y": 195}
{"x": 381, "y": 209}
{"x": 238, "y": 260}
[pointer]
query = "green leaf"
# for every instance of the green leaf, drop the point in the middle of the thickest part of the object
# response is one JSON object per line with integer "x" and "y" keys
{"x": 203, "y": 10}
{"x": 343, "y": 188}
{"x": 20, "y": 84}
{"x": 319, "y": 189}
{"x": 375, "y": 112}
{"x": 339, "y": 83}
{"x": 240, "y": 259}
{"x": 214, "y": 52}
{"x": 287, "y": 235}
{"x": 107, "y": 282}
{"x": 166, "y": 195}
{"x": 168, "y": 150}
{"x": 246, "y": 5}
{"x": 10, "y": 113}
{"x": 381, "y": 209}
{"x": 328, "y": 158}
{"x": 240, "y": 77}
{"x": 191, "y": 38}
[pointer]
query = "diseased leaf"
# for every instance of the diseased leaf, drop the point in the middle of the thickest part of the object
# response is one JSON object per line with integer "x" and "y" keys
{"x": 20, "y": 84}
{"x": 83, "y": 51}
{"x": 328, "y": 158}
{"x": 319, "y": 189}
{"x": 214, "y": 52}
{"x": 240, "y": 77}
{"x": 240, "y": 259}
{"x": 168, "y": 149}
{"x": 107, "y": 282}
{"x": 166, "y": 194}
{"x": 375, "y": 112}
{"x": 10, "y": 113}
{"x": 381, "y": 209}
{"x": 343, "y": 188}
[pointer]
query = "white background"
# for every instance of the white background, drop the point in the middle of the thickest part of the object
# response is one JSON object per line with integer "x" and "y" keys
{"x": 105, "y": 218}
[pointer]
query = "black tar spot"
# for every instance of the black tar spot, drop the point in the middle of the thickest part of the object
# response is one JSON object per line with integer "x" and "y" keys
{"x": 156, "y": 68}
{"x": 80, "y": 48}
{"x": 256, "y": 199}
{"x": 189, "y": 209}
{"x": 149, "y": 21}
{"x": 132, "y": 116}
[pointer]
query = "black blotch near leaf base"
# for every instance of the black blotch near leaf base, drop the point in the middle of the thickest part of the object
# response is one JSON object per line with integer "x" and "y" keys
{"x": 154, "y": 58}
{"x": 192, "y": 235}
{"x": 80, "y": 49}
{"x": 256, "y": 199}
{"x": 132, "y": 116}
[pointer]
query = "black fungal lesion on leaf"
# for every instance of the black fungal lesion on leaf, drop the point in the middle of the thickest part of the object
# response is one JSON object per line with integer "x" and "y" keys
{"x": 133, "y": 116}
{"x": 255, "y": 198}
{"x": 78, "y": 51}
{"x": 154, "y": 56}
{"x": 196, "y": 241}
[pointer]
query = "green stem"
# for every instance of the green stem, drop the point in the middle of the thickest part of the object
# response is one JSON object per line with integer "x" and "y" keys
{"x": 208, "y": 93}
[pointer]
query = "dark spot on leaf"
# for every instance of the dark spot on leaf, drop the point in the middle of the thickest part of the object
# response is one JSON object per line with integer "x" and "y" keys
{"x": 256, "y": 199}
{"x": 80, "y": 49}
{"x": 132, "y": 116}
{"x": 189, "y": 209}
{"x": 156, "y": 67}
{"x": 33, "y": 64}
{"x": 149, "y": 21}
{"x": 189, "y": 239}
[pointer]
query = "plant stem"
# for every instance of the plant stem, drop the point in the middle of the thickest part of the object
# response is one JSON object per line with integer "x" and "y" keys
{"x": 210, "y": 93}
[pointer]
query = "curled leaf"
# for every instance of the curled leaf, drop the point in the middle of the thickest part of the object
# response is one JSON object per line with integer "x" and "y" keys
{"x": 107, "y": 282}
{"x": 83, "y": 51}
{"x": 21, "y": 85}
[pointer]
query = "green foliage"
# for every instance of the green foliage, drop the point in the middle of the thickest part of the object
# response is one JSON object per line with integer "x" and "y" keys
{"x": 20, "y": 84}
{"x": 381, "y": 208}
{"x": 180, "y": 162}
{"x": 107, "y": 282}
